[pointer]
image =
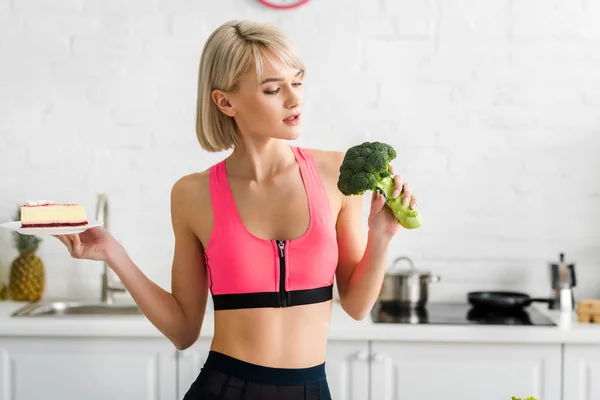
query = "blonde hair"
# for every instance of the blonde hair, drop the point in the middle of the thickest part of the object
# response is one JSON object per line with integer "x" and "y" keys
{"x": 230, "y": 52}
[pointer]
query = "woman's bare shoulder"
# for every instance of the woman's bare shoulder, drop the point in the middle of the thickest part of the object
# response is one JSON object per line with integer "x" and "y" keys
{"x": 328, "y": 161}
{"x": 193, "y": 185}
{"x": 190, "y": 195}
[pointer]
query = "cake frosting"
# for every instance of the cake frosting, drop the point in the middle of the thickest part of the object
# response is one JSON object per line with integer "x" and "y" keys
{"x": 38, "y": 203}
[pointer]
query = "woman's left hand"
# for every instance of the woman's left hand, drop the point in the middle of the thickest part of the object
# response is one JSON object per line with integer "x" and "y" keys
{"x": 382, "y": 221}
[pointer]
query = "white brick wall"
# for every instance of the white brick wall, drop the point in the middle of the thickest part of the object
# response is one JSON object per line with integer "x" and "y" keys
{"x": 493, "y": 108}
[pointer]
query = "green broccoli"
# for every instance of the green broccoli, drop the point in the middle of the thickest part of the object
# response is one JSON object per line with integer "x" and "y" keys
{"x": 366, "y": 168}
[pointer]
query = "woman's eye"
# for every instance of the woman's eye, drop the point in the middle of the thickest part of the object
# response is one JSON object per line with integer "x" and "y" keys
{"x": 272, "y": 92}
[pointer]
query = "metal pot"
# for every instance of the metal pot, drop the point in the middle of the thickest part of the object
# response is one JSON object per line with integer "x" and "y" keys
{"x": 408, "y": 287}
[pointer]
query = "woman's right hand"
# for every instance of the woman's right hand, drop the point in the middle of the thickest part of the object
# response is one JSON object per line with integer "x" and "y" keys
{"x": 93, "y": 244}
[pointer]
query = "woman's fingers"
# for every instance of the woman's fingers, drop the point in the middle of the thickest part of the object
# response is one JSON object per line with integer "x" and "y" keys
{"x": 406, "y": 195}
{"x": 77, "y": 246}
{"x": 61, "y": 238}
{"x": 377, "y": 202}
{"x": 66, "y": 241}
{"x": 413, "y": 202}
{"x": 402, "y": 188}
{"x": 398, "y": 186}
{"x": 69, "y": 244}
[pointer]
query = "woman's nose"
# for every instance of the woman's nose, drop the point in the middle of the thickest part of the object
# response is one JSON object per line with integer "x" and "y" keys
{"x": 293, "y": 99}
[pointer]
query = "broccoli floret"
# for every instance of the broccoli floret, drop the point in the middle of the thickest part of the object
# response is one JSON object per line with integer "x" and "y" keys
{"x": 366, "y": 168}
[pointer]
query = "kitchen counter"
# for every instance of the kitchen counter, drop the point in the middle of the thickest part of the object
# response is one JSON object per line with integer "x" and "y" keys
{"x": 342, "y": 328}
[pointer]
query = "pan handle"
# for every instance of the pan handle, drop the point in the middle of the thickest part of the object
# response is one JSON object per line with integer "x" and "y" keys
{"x": 540, "y": 300}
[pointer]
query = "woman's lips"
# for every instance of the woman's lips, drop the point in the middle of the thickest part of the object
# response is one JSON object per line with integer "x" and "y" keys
{"x": 293, "y": 119}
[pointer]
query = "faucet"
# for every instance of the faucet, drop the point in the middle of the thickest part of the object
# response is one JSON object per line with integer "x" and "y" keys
{"x": 109, "y": 286}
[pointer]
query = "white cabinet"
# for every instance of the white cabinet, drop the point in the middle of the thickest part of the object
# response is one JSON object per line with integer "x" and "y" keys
{"x": 347, "y": 369}
{"x": 151, "y": 369}
{"x": 87, "y": 368}
{"x": 432, "y": 371}
{"x": 581, "y": 372}
{"x": 189, "y": 364}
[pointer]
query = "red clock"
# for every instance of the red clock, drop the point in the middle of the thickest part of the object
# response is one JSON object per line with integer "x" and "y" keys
{"x": 283, "y": 4}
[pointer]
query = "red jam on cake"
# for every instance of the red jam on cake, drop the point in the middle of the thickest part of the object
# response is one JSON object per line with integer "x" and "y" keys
{"x": 46, "y": 214}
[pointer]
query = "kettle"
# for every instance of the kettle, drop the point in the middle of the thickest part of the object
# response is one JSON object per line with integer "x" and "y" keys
{"x": 406, "y": 287}
{"x": 562, "y": 277}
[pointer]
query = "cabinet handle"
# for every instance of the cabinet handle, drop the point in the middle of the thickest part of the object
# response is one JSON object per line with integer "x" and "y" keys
{"x": 361, "y": 355}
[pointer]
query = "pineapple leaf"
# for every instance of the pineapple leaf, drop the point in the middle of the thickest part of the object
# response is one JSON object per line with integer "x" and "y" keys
{"x": 25, "y": 243}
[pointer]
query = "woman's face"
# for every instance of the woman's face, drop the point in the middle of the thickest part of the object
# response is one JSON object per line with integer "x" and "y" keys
{"x": 269, "y": 108}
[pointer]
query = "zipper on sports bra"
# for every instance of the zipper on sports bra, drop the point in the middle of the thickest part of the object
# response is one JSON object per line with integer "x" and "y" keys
{"x": 283, "y": 301}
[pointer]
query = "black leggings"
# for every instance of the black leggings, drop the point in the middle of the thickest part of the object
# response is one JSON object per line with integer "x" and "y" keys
{"x": 227, "y": 378}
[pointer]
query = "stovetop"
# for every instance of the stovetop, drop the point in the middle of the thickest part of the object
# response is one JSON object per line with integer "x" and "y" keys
{"x": 456, "y": 314}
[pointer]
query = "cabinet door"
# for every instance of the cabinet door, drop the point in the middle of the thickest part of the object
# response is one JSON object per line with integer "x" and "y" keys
{"x": 581, "y": 372}
{"x": 189, "y": 364}
{"x": 87, "y": 368}
{"x": 432, "y": 371}
{"x": 347, "y": 368}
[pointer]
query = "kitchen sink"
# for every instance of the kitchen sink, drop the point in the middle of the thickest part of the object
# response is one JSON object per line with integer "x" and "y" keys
{"x": 67, "y": 308}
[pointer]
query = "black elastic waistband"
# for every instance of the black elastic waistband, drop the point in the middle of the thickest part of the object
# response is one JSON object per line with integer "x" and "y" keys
{"x": 263, "y": 375}
{"x": 272, "y": 299}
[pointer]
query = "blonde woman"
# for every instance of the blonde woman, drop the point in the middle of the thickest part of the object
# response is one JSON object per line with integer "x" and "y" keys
{"x": 265, "y": 231}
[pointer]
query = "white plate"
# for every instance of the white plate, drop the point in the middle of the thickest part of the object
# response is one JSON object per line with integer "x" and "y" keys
{"x": 16, "y": 226}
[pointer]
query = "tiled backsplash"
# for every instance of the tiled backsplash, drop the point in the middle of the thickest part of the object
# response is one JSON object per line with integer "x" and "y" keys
{"x": 493, "y": 107}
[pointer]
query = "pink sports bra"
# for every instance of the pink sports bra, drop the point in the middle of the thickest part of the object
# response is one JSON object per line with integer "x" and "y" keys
{"x": 245, "y": 271}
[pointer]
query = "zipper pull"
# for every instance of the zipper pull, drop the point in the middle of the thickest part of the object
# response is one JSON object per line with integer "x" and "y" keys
{"x": 281, "y": 247}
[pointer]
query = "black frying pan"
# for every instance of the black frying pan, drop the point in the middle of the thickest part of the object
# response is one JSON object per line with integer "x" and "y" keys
{"x": 502, "y": 300}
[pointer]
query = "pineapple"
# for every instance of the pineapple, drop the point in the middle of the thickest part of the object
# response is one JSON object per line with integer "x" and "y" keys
{"x": 27, "y": 275}
{"x": 3, "y": 292}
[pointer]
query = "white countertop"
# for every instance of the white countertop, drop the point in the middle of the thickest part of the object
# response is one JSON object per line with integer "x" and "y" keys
{"x": 342, "y": 328}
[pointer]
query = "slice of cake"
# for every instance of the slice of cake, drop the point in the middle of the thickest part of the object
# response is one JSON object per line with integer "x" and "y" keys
{"x": 46, "y": 214}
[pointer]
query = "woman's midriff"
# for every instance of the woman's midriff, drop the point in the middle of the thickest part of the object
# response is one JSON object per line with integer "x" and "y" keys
{"x": 294, "y": 337}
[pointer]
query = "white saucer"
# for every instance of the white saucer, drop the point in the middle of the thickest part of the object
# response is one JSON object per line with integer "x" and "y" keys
{"x": 16, "y": 226}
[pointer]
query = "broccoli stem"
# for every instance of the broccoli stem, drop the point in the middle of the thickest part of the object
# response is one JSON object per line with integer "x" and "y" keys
{"x": 385, "y": 186}
{"x": 408, "y": 218}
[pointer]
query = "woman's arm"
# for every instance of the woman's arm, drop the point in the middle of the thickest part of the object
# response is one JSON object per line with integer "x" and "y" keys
{"x": 178, "y": 315}
{"x": 362, "y": 263}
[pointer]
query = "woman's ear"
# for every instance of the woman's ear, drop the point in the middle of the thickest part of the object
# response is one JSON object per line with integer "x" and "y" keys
{"x": 221, "y": 100}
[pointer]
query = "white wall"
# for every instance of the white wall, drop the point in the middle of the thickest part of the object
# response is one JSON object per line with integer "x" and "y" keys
{"x": 493, "y": 107}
